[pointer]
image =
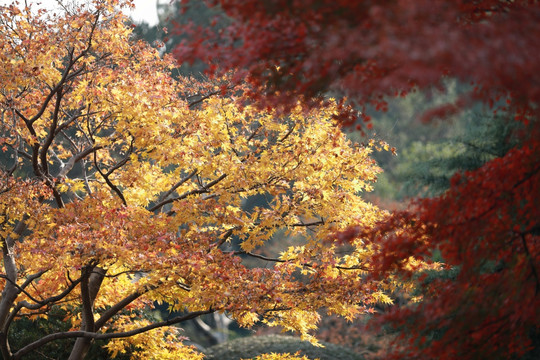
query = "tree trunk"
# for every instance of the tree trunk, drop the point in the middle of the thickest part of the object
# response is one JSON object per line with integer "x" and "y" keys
{"x": 10, "y": 292}
{"x": 90, "y": 287}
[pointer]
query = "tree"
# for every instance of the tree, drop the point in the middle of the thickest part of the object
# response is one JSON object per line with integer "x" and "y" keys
{"x": 172, "y": 14}
{"x": 121, "y": 188}
{"x": 365, "y": 50}
{"x": 486, "y": 225}
{"x": 429, "y": 166}
{"x": 489, "y": 242}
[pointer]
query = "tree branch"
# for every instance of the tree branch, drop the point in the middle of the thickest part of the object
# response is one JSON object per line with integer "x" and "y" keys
{"x": 51, "y": 299}
{"x": 265, "y": 258}
{"x": 20, "y": 288}
{"x": 113, "y": 310}
{"x": 76, "y": 158}
{"x": 111, "y": 185}
{"x": 191, "y": 104}
{"x": 204, "y": 189}
{"x": 175, "y": 186}
{"x": 96, "y": 336}
{"x": 52, "y": 132}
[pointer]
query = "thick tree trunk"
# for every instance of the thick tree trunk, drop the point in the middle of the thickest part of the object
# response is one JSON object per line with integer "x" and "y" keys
{"x": 89, "y": 289}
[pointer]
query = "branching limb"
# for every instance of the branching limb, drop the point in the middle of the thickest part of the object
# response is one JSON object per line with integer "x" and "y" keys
{"x": 76, "y": 158}
{"x": 87, "y": 302}
{"x": 227, "y": 235}
{"x": 175, "y": 186}
{"x": 204, "y": 97}
{"x": 22, "y": 287}
{"x": 108, "y": 181}
{"x": 204, "y": 189}
{"x": 97, "y": 336}
{"x": 265, "y": 258}
{"x": 119, "y": 306}
{"x": 52, "y": 132}
{"x": 71, "y": 118}
{"x": 45, "y": 302}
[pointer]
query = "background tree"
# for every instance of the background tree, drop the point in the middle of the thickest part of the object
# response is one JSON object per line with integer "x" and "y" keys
{"x": 121, "y": 187}
{"x": 173, "y": 14}
{"x": 486, "y": 224}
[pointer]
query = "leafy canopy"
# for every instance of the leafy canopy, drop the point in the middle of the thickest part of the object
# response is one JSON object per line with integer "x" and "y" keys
{"x": 122, "y": 187}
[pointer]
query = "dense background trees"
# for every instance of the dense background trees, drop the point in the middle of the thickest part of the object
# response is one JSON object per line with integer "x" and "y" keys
{"x": 485, "y": 226}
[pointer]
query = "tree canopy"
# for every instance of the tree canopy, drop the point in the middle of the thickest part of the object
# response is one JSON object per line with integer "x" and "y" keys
{"x": 122, "y": 187}
{"x": 366, "y": 50}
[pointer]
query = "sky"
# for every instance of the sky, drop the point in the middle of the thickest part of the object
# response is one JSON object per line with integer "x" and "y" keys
{"x": 145, "y": 10}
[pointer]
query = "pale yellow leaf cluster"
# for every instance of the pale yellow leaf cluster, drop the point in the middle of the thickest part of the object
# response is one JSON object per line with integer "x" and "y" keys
{"x": 275, "y": 356}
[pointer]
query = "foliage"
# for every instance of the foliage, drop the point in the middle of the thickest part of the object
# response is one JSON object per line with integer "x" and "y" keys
{"x": 426, "y": 168}
{"x": 121, "y": 187}
{"x": 274, "y": 356}
{"x": 493, "y": 241}
{"x": 367, "y": 50}
{"x": 260, "y": 346}
{"x": 487, "y": 222}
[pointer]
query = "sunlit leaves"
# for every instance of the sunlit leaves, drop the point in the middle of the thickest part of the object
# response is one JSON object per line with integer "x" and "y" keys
{"x": 275, "y": 356}
{"x": 127, "y": 175}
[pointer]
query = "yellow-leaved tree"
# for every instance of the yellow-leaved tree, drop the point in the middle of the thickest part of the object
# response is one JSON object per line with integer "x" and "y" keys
{"x": 123, "y": 187}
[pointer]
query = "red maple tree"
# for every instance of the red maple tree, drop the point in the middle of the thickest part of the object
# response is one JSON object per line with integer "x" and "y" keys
{"x": 486, "y": 225}
{"x": 365, "y": 50}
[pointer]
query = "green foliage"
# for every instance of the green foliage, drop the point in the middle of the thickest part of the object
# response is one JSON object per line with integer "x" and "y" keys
{"x": 250, "y": 347}
{"x": 429, "y": 154}
{"x": 401, "y": 127}
{"x": 427, "y": 167}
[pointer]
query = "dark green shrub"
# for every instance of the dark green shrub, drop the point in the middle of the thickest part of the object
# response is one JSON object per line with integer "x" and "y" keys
{"x": 252, "y": 346}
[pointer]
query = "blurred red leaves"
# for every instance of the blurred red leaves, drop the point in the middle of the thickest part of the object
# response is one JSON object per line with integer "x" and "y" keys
{"x": 364, "y": 50}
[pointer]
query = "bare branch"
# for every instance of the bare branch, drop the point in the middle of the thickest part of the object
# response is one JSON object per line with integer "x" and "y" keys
{"x": 179, "y": 183}
{"x": 287, "y": 134}
{"x": 52, "y": 132}
{"x": 313, "y": 223}
{"x": 77, "y": 114}
{"x": 87, "y": 302}
{"x": 227, "y": 235}
{"x": 204, "y": 189}
{"x": 191, "y": 104}
{"x": 265, "y": 258}
{"x": 76, "y": 158}
{"x": 97, "y": 336}
{"x": 113, "y": 310}
{"x": 124, "y": 160}
{"x": 111, "y": 185}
